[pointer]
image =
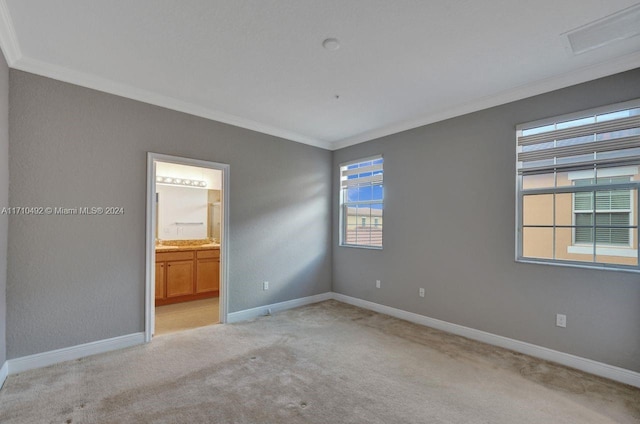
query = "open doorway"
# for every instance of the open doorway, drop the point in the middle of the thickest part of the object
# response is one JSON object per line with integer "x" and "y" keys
{"x": 187, "y": 204}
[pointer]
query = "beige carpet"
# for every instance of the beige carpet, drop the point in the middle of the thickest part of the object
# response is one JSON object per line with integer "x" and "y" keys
{"x": 323, "y": 363}
{"x": 186, "y": 315}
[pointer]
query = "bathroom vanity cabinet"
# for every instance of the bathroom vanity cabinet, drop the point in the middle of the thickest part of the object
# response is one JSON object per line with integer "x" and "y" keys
{"x": 187, "y": 273}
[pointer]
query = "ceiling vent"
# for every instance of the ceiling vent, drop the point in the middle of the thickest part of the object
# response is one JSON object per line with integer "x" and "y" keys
{"x": 619, "y": 26}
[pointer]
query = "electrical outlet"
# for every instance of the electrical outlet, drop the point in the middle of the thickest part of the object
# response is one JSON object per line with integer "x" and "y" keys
{"x": 421, "y": 292}
{"x": 265, "y": 285}
{"x": 561, "y": 320}
{"x": 377, "y": 284}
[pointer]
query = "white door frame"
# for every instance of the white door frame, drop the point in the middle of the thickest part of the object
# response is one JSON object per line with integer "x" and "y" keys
{"x": 150, "y": 274}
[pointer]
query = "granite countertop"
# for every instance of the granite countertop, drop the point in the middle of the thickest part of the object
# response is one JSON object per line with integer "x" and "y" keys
{"x": 208, "y": 246}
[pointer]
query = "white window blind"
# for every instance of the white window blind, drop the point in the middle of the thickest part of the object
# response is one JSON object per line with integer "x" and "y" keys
{"x": 597, "y": 140}
{"x": 362, "y": 174}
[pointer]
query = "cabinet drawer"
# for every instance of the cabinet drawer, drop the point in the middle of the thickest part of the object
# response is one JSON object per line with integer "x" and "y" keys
{"x": 213, "y": 253}
{"x": 174, "y": 256}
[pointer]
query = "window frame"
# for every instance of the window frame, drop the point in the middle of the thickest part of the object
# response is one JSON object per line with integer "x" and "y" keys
{"x": 631, "y": 185}
{"x": 342, "y": 219}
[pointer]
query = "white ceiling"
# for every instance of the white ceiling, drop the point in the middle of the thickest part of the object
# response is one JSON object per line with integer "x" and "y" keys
{"x": 260, "y": 64}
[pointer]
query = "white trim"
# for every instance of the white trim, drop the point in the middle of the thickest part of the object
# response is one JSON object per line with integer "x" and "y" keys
{"x": 44, "y": 359}
{"x": 39, "y": 360}
{"x": 14, "y": 366}
{"x": 589, "y": 73}
{"x": 611, "y": 67}
{"x": 15, "y": 59}
{"x": 577, "y": 264}
{"x": 587, "y": 365}
{"x": 4, "y": 372}
{"x": 606, "y": 251}
{"x": 152, "y": 158}
{"x": 225, "y": 283}
{"x": 361, "y": 246}
{"x": 124, "y": 90}
{"x": 259, "y": 311}
{"x": 8, "y": 38}
{"x": 149, "y": 256}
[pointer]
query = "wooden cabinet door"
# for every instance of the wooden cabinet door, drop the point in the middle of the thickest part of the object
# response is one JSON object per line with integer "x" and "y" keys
{"x": 160, "y": 292}
{"x": 207, "y": 275}
{"x": 179, "y": 278}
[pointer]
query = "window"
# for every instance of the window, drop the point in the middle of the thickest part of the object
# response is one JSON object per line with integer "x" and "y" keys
{"x": 577, "y": 188}
{"x": 361, "y": 203}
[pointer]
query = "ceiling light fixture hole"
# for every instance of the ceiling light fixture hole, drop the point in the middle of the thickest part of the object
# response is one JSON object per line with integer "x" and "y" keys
{"x": 331, "y": 44}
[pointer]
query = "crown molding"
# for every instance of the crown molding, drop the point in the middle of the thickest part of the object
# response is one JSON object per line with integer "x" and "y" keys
{"x": 8, "y": 38}
{"x": 15, "y": 59}
{"x": 589, "y": 73}
{"x": 621, "y": 64}
{"x": 108, "y": 86}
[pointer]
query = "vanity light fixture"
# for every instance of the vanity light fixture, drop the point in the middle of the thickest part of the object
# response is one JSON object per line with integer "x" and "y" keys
{"x": 180, "y": 182}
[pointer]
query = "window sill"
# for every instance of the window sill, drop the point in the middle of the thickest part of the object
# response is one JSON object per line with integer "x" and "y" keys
{"x": 586, "y": 265}
{"x": 605, "y": 251}
{"x": 361, "y": 247}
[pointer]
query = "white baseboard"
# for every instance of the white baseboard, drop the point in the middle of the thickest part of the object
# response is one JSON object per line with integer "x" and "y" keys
{"x": 44, "y": 359}
{"x": 39, "y": 360}
{"x": 14, "y": 366}
{"x": 276, "y": 307}
{"x": 611, "y": 372}
{"x": 4, "y": 372}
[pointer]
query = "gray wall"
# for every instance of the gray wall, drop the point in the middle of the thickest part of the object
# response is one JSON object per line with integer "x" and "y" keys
{"x": 449, "y": 223}
{"x": 4, "y": 198}
{"x": 76, "y": 279}
{"x": 449, "y": 227}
